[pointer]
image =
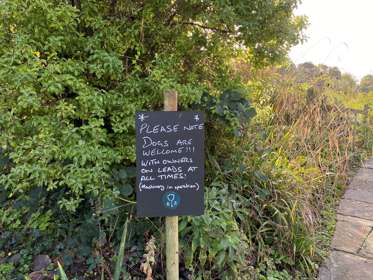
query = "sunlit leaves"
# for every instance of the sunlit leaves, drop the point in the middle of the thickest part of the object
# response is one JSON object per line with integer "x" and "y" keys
{"x": 72, "y": 77}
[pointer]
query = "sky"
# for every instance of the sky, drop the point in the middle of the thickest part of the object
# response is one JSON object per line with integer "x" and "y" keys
{"x": 340, "y": 33}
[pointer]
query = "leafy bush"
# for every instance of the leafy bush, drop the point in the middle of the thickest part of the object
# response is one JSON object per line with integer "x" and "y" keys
{"x": 71, "y": 78}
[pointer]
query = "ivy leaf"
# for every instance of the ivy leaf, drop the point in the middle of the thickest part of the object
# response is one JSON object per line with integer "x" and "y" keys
{"x": 126, "y": 190}
{"x": 122, "y": 174}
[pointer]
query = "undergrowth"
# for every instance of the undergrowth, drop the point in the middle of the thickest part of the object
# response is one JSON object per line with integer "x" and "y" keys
{"x": 72, "y": 76}
{"x": 271, "y": 189}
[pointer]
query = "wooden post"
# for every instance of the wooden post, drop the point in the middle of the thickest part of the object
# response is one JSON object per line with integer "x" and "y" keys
{"x": 172, "y": 225}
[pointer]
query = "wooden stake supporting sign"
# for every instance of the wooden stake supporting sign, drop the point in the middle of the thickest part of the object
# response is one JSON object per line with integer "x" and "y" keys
{"x": 170, "y": 170}
{"x": 172, "y": 223}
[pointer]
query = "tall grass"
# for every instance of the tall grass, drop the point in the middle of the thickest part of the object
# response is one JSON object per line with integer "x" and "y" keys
{"x": 62, "y": 272}
{"x": 313, "y": 144}
{"x": 119, "y": 262}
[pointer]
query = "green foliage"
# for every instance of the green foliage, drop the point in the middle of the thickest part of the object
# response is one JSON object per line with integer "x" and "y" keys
{"x": 62, "y": 272}
{"x": 232, "y": 108}
{"x": 71, "y": 78}
{"x": 215, "y": 242}
{"x": 6, "y": 270}
{"x": 119, "y": 262}
{"x": 315, "y": 165}
{"x": 366, "y": 83}
{"x": 322, "y": 77}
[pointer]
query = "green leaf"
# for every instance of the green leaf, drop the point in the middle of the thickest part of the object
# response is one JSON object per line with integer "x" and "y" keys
{"x": 62, "y": 272}
{"x": 126, "y": 190}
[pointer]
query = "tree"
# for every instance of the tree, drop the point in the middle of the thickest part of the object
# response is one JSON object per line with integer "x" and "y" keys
{"x": 73, "y": 74}
{"x": 307, "y": 72}
{"x": 366, "y": 83}
{"x": 347, "y": 83}
{"x": 335, "y": 73}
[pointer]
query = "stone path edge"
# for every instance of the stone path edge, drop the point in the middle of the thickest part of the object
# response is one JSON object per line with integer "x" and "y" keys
{"x": 351, "y": 256}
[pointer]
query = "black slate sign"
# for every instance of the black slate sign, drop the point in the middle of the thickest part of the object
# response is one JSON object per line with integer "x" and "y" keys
{"x": 170, "y": 163}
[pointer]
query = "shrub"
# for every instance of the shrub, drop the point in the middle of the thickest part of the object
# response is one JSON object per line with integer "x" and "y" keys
{"x": 71, "y": 78}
